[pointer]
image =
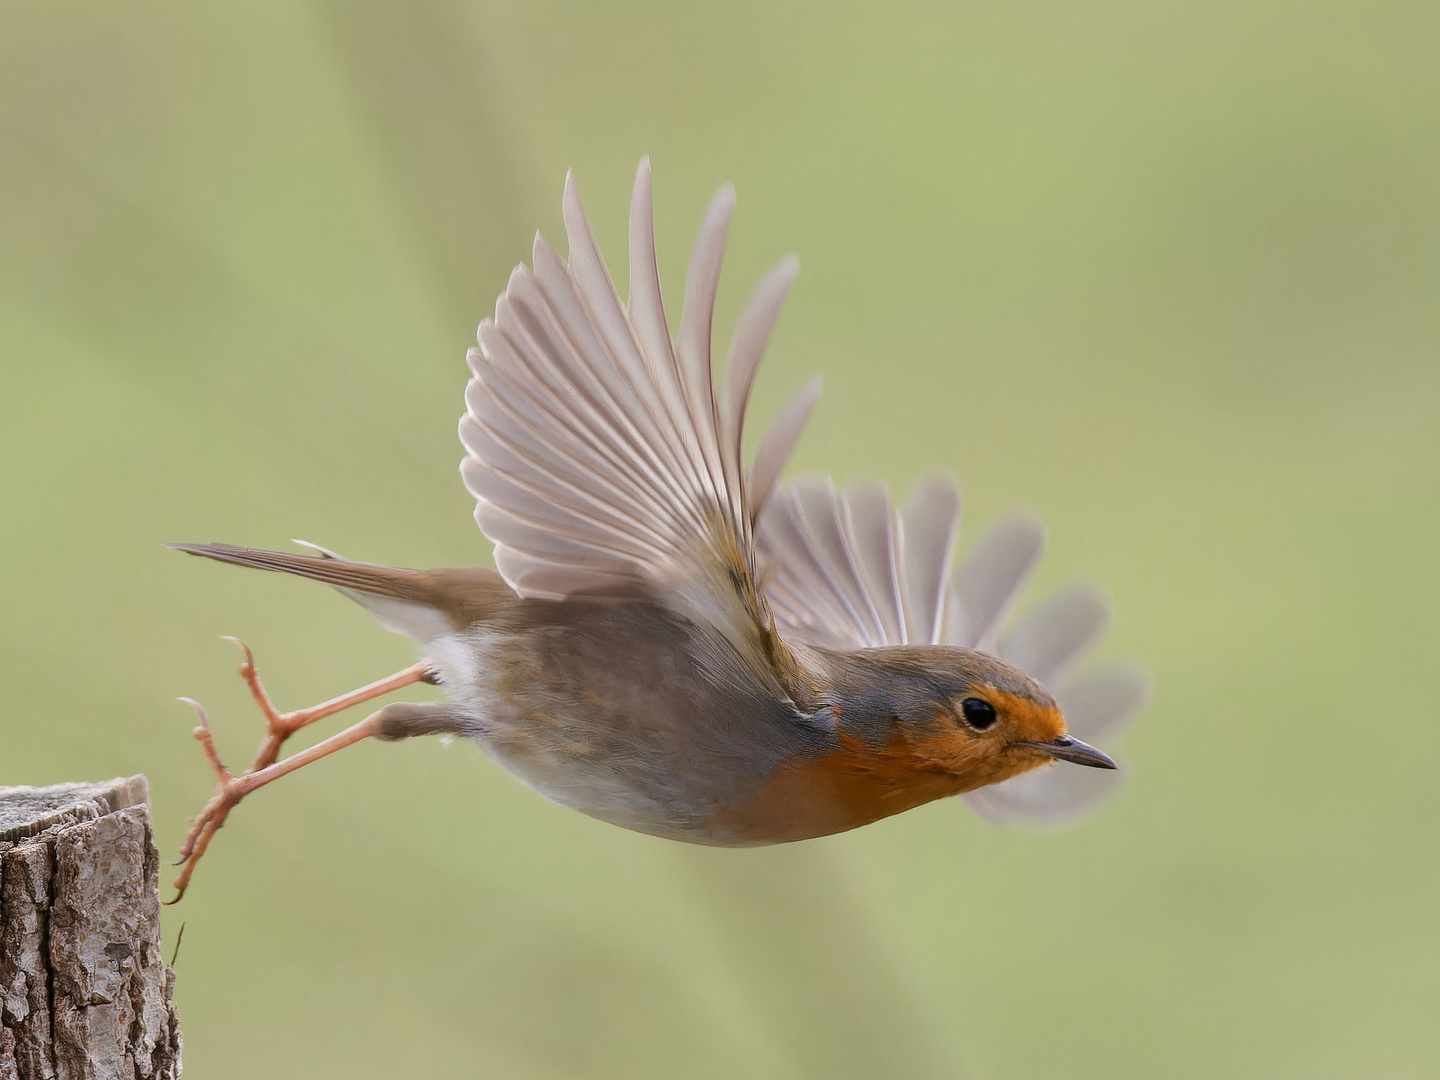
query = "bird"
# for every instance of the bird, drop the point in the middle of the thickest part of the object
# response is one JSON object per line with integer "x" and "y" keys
{"x": 674, "y": 642}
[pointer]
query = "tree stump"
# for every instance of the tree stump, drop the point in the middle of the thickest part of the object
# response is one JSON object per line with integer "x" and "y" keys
{"x": 84, "y": 993}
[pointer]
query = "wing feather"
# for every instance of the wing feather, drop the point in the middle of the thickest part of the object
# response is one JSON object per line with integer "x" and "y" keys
{"x": 988, "y": 579}
{"x": 776, "y": 444}
{"x": 747, "y": 346}
{"x": 876, "y": 531}
{"x": 623, "y": 400}
{"x": 574, "y": 414}
{"x": 838, "y": 566}
{"x": 597, "y": 450}
{"x": 824, "y": 514}
{"x": 601, "y": 302}
{"x": 932, "y": 523}
{"x": 801, "y": 591}
{"x": 693, "y": 349}
{"x": 1048, "y": 638}
{"x": 691, "y": 421}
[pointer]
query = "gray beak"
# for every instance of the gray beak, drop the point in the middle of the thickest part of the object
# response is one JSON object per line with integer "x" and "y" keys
{"x": 1069, "y": 748}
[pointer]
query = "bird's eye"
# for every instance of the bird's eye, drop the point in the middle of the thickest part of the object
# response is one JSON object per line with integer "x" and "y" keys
{"x": 978, "y": 714}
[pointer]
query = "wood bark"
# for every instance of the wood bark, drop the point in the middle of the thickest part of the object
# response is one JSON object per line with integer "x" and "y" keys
{"x": 84, "y": 992}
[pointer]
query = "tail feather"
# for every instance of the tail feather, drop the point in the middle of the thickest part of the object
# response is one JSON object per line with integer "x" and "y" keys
{"x": 370, "y": 578}
{"x": 420, "y": 603}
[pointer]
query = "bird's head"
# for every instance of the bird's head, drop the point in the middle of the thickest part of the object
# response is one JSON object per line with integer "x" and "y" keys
{"x": 956, "y": 711}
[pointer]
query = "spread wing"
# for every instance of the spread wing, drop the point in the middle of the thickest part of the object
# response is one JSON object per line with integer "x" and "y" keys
{"x": 599, "y": 452}
{"x": 849, "y": 571}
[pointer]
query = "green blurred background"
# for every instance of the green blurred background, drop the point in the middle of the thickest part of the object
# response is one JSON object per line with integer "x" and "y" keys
{"x": 1166, "y": 273}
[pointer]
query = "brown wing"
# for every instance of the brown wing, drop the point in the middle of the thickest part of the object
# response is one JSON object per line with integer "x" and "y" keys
{"x": 598, "y": 450}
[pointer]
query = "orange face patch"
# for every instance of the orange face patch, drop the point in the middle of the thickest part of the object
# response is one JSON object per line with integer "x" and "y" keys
{"x": 859, "y": 782}
{"x": 1023, "y": 719}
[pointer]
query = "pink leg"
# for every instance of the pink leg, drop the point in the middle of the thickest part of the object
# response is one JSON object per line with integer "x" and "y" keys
{"x": 264, "y": 768}
{"x": 283, "y": 725}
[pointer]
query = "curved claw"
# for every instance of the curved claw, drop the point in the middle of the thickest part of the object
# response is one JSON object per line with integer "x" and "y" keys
{"x": 206, "y": 738}
{"x": 249, "y": 664}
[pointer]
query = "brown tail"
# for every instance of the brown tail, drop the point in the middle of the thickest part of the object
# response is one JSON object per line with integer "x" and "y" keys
{"x": 462, "y": 595}
{"x": 411, "y": 585}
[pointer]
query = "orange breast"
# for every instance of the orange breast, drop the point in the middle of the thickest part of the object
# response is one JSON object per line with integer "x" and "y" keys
{"x": 858, "y": 783}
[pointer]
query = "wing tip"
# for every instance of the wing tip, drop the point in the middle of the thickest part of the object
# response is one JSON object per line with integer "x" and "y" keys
{"x": 931, "y": 487}
{"x": 642, "y": 193}
{"x": 572, "y": 211}
{"x": 723, "y": 201}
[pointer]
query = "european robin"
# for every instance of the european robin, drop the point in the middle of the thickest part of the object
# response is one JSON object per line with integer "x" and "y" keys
{"x": 670, "y": 641}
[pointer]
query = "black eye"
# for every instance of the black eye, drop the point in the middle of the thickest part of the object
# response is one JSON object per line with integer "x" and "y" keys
{"x": 978, "y": 714}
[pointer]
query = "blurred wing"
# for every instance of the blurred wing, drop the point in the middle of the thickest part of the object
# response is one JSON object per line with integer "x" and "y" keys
{"x": 849, "y": 572}
{"x": 988, "y": 579}
{"x": 598, "y": 451}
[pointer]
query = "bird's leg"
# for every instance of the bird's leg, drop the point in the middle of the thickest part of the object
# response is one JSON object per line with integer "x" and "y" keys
{"x": 264, "y": 768}
{"x": 283, "y": 725}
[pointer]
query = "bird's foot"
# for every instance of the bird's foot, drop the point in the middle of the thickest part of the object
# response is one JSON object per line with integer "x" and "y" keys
{"x": 227, "y": 794}
{"x": 230, "y": 789}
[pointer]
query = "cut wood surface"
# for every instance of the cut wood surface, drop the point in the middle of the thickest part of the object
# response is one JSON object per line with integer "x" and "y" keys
{"x": 84, "y": 992}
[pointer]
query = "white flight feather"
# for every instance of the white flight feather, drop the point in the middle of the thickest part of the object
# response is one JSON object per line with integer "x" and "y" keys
{"x": 877, "y": 533}
{"x": 776, "y": 444}
{"x": 932, "y": 522}
{"x": 1047, "y": 640}
{"x": 597, "y": 449}
{"x": 990, "y": 576}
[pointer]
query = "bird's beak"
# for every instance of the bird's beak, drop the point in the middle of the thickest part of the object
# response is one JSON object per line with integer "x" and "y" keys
{"x": 1069, "y": 748}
